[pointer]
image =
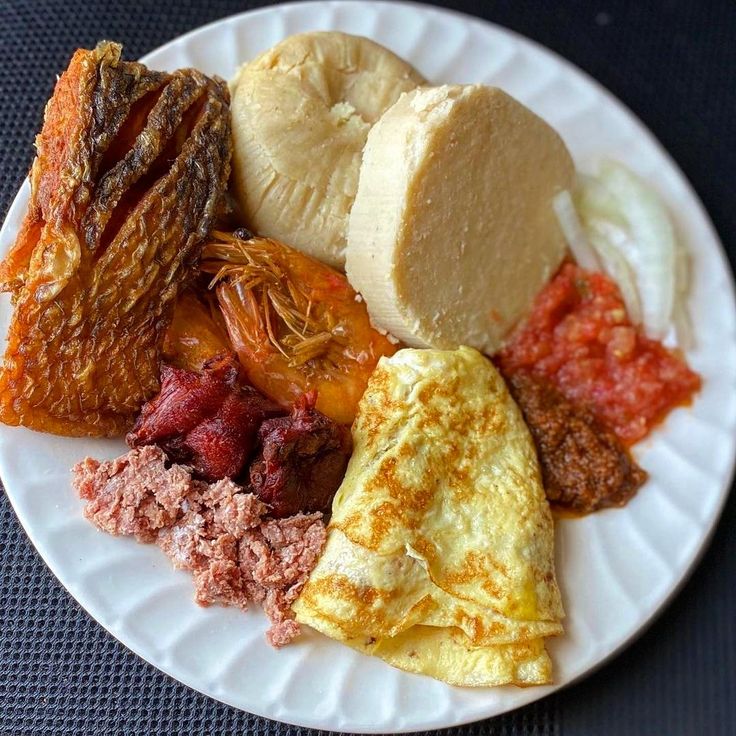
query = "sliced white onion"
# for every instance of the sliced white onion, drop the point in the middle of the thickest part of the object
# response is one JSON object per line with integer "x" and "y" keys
{"x": 652, "y": 256}
{"x": 618, "y": 223}
{"x": 680, "y": 315}
{"x": 682, "y": 269}
{"x": 618, "y": 268}
{"x": 593, "y": 199}
{"x": 683, "y": 326}
{"x": 573, "y": 231}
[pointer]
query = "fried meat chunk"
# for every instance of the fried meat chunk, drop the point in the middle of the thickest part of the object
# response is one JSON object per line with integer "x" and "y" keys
{"x": 301, "y": 460}
{"x": 208, "y": 419}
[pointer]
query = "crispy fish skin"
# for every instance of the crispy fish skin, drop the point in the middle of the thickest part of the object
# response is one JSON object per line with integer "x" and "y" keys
{"x": 92, "y": 99}
{"x": 131, "y": 171}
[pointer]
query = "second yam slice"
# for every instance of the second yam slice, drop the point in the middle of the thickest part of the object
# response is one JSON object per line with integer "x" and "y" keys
{"x": 452, "y": 232}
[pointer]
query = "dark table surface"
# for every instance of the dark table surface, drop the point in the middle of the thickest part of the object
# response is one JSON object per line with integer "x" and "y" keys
{"x": 674, "y": 63}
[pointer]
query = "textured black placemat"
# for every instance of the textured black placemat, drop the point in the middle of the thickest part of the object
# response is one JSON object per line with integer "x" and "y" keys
{"x": 674, "y": 64}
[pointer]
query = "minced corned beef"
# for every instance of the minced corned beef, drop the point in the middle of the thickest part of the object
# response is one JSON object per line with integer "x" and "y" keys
{"x": 216, "y": 531}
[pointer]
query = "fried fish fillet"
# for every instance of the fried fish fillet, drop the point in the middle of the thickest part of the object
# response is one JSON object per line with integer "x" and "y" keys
{"x": 130, "y": 173}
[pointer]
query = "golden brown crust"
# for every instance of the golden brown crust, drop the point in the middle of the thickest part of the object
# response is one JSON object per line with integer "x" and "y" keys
{"x": 439, "y": 557}
{"x": 131, "y": 169}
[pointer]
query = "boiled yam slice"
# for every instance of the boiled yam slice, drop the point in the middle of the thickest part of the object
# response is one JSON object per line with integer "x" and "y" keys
{"x": 452, "y": 232}
{"x": 301, "y": 114}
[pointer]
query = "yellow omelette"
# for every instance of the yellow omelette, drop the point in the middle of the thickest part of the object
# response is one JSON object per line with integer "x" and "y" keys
{"x": 440, "y": 550}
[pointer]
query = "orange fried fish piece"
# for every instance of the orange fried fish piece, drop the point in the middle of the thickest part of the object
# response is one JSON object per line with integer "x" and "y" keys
{"x": 196, "y": 334}
{"x": 130, "y": 173}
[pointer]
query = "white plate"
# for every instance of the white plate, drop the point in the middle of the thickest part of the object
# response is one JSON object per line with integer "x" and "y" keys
{"x": 616, "y": 568}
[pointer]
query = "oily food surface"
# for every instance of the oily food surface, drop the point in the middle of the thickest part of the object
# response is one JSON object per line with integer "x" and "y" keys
{"x": 207, "y": 419}
{"x": 301, "y": 461}
{"x": 197, "y": 332}
{"x": 441, "y": 522}
{"x": 218, "y": 532}
{"x": 296, "y": 324}
{"x": 220, "y": 427}
{"x": 440, "y": 551}
{"x": 301, "y": 114}
{"x": 580, "y": 339}
{"x": 131, "y": 169}
{"x": 585, "y": 467}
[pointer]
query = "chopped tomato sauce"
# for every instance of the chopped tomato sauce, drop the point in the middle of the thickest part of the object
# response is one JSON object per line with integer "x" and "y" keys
{"x": 580, "y": 338}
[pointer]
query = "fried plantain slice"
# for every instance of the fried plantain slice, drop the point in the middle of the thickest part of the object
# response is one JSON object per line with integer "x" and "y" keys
{"x": 130, "y": 174}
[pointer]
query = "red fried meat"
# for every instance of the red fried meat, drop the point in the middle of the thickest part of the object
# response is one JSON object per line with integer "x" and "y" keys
{"x": 208, "y": 420}
{"x": 301, "y": 460}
